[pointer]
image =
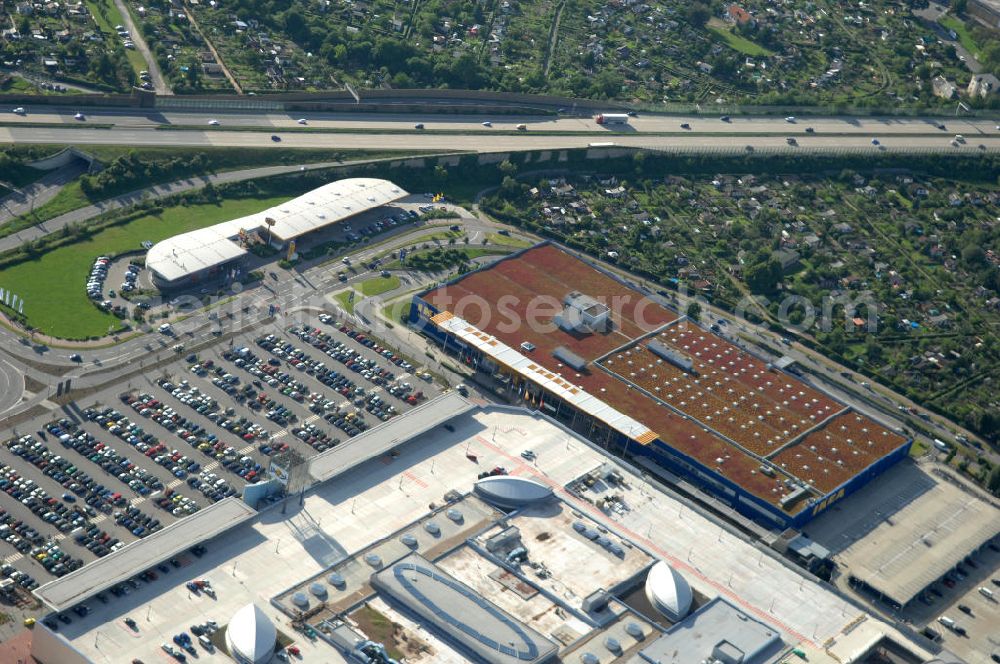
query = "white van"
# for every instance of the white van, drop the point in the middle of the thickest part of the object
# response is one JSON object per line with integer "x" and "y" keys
{"x": 941, "y": 445}
{"x": 947, "y": 622}
{"x": 165, "y": 328}
{"x": 986, "y": 592}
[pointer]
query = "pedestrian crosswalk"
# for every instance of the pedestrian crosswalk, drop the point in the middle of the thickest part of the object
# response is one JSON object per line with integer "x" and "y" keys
{"x": 175, "y": 483}
{"x": 13, "y": 558}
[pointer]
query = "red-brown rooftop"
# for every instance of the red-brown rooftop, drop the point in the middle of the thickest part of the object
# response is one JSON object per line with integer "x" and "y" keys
{"x": 724, "y": 396}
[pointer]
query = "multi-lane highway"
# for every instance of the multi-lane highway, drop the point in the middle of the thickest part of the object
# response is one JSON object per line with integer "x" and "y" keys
{"x": 468, "y": 132}
{"x": 483, "y": 142}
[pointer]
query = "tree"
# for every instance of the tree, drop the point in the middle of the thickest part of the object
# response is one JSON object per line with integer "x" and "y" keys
{"x": 974, "y": 256}
{"x": 193, "y": 75}
{"x": 763, "y": 277}
{"x": 993, "y": 482}
{"x": 507, "y": 168}
{"x": 697, "y": 14}
{"x": 694, "y": 311}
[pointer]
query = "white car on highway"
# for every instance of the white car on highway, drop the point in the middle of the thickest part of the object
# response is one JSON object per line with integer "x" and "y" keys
{"x": 487, "y": 124}
{"x": 79, "y": 116}
{"x": 20, "y": 110}
{"x": 214, "y": 123}
{"x": 302, "y": 121}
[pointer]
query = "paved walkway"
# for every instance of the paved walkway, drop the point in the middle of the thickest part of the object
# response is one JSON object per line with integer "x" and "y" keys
{"x": 39, "y": 192}
{"x": 159, "y": 83}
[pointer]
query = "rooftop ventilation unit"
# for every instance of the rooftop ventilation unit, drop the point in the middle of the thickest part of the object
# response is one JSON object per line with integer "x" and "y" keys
{"x": 583, "y": 314}
{"x": 569, "y": 358}
{"x": 374, "y": 560}
{"x": 336, "y": 580}
{"x": 317, "y": 589}
{"x": 300, "y": 600}
{"x": 634, "y": 630}
{"x": 679, "y": 360}
{"x": 789, "y": 499}
{"x": 432, "y": 528}
{"x": 409, "y": 540}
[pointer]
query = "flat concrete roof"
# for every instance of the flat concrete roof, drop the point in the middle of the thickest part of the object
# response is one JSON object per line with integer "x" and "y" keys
{"x": 123, "y": 564}
{"x": 277, "y": 551}
{"x": 716, "y": 627}
{"x": 386, "y": 436}
{"x": 919, "y": 529}
{"x": 458, "y": 611}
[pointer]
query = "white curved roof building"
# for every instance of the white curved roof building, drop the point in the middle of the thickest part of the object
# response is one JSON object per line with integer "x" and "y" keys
{"x": 668, "y": 591}
{"x": 251, "y": 636}
{"x": 511, "y": 492}
{"x": 180, "y": 258}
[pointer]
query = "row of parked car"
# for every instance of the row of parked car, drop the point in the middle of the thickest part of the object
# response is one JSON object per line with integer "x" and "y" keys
{"x": 122, "y": 589}
{"x": 209, "y": 444}
{"x": 110, "y": 460}
{"x": 207, "y": 406}
{"x": 367, "y": 367}
{"x": 26, "y": 581}
{"x": 98, "y": 273}
{"x": 151, "y": 447}
{"x": 351, "y": 423}
{"x": 27, "y": 539}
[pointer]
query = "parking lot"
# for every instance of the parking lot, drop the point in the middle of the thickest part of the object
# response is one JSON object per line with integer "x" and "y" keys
{"x": 96, "y": 476}
{"x": 961, "y": 616}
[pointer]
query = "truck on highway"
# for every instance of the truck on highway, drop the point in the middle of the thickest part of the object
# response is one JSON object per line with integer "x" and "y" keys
{"x": 612, "y": 118}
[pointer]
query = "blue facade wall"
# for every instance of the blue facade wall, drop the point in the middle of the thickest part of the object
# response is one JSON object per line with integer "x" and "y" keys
{"x": 663, "y": 454}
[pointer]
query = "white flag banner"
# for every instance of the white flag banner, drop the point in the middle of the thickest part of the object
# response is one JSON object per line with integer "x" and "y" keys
{"x": 7, "y": 298}
{"x": 20, "y": 307}
{"x": 13, "y": 302}
{"x": 1, "y": 295}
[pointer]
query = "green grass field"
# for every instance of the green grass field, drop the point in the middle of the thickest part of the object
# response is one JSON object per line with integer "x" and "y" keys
{"x": 379, "y": 285}
{"x": 71, "y": 197}
{"x": 344, "y": 298}
{"x": 397, "y": 311}
{"x": 507, "y": 241}
{"x": 53, "y": 286}
{"x": 964, "y": 37}
{"x": 736, "y": 42}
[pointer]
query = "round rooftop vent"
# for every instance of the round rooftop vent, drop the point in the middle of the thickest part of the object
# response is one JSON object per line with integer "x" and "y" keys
{"x": 317, "y": 589}
{"x": 336, "y": 580}
{"x": 300, "y": 600}
{"x": 409, "y": 540}
{"x": 455, "y": 515}
{"x": 634, "y": 630}
{"x": 373, "y": 559}
{"x": 432, "y": 528}
{"x": 590, "y": 658}
{"x": 612, "y": 644}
